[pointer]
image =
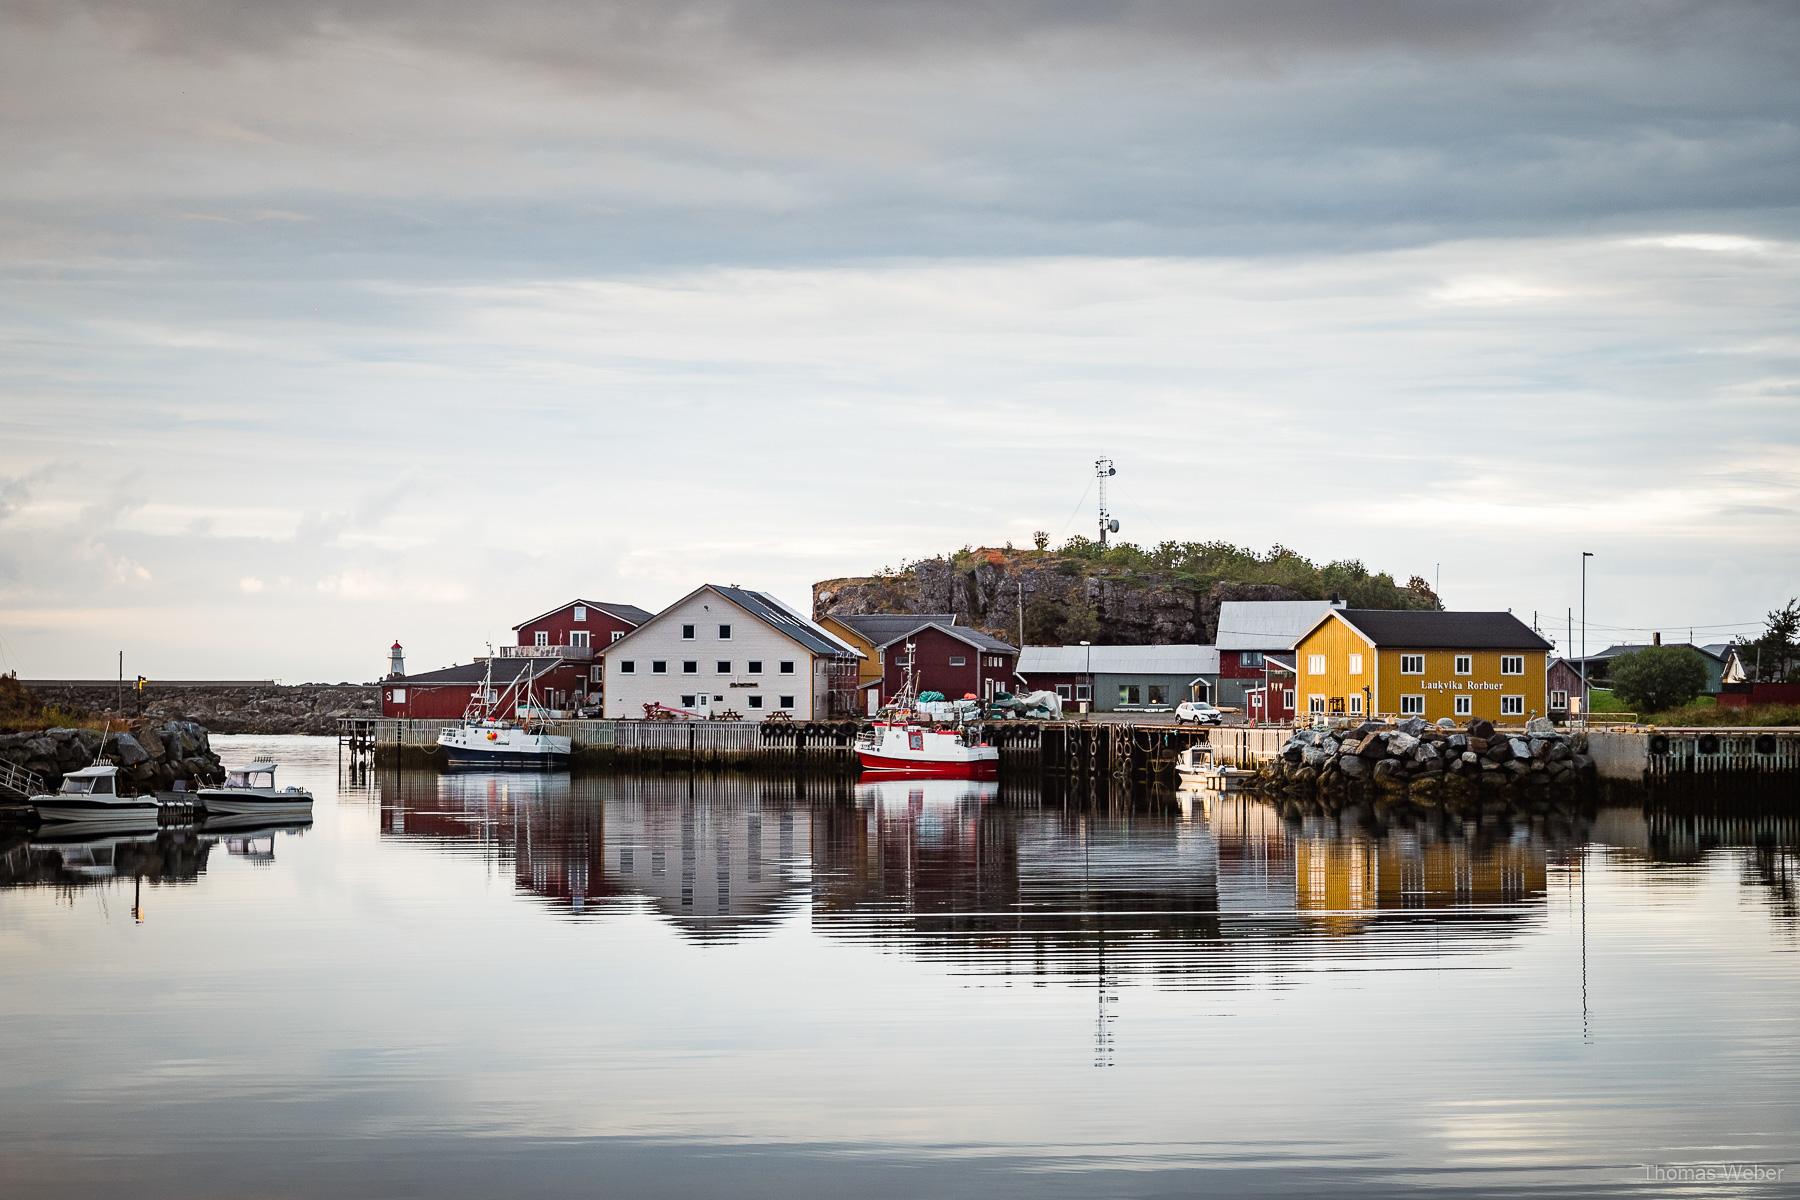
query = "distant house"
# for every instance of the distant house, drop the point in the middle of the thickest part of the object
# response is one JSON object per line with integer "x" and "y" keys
{"x": 868, "y": 632}
{"x": 1564, "y": 683}
{"x": 1249, "y": 632}
{"x": 1430, "y": 664}
{"x": 731, "y": 648}
{"x": 1112, "y": 678}
{"x": 956, "y": 660}
{"x": 562, "y": 646}
{"x": 1599, "y": 666}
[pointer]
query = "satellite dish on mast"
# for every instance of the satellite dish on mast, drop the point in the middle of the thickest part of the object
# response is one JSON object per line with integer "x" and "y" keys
{"x": 1104, "y": 470}
{"x": 1113, "y": 525}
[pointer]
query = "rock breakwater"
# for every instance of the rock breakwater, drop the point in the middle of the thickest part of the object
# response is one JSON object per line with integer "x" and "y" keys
{"x": 1429, "y": 764}
{"x": 155, "y": 757}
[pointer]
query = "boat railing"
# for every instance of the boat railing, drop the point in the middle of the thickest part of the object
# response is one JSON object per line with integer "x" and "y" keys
{"x": 16, "y": 779}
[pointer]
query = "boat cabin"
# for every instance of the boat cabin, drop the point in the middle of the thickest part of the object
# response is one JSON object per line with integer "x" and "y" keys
{"x": 102, "y": 779}
{"x": 251, "y": 775}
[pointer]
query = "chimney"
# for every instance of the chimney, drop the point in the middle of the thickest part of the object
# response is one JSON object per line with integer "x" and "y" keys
{"x": 1656, "y": 638}
{"x": 1336, "y": 600}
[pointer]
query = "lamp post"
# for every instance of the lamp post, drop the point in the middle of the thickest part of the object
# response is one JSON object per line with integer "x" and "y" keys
{"x": 1090, "y": 679}
{"x": 1585, "y": 555}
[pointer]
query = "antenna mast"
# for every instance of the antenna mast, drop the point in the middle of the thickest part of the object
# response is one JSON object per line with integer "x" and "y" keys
{"x": 1104, "y": 470}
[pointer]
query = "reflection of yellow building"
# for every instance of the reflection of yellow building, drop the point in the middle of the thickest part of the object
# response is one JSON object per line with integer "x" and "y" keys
{"x": 1358, "y": 662}
{"x": 1345, "y": 880}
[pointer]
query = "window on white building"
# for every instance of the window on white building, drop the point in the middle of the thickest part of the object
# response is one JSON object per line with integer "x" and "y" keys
{"x": 1465, "y": 664}
{"x": 1559, "y": 701}
{"x": 1356, "y": 664}
{"x": 687, "y": 702}
{"x": 627, "y": 667}
{"x": 753, "y": 667}
{"x": 1315, "y": 704}
{"x": 1315, "y": 664}
{"x": 1465, "y": 705}
{"x": 1412, "y": 664}
{"x": 724, "y": 666}
{"x": 690, "y": 667}
{"x": 725, "y": 633}
{"x": 1512, "y": 706}
{"x": 687, "y": 633}
{"x": 1512, "y": 664}
{"x": 659, "y": 666}
{"x": 787, "y": 702}
{"x": 581, "y": 612}
{"x": 756, "y": 702}
{"x": 787, "y": 666}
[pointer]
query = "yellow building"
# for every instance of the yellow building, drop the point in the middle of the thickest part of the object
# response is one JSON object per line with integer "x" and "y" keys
{"x": 1461, "y": 665}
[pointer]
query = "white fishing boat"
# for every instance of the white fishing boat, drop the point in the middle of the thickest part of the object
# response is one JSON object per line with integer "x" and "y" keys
{"x": 1195, "y": 767}
{"x": 899, "y": 746}
{"x": 250, "y": 789}
{"x": 93, "y": 798}
{"x": 486, "y": 739}
{"x": 87, "y": 853}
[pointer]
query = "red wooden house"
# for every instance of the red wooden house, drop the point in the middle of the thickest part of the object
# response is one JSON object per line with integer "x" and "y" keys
{"x": 953, "y": 659}
{"x": 561, "y": 647}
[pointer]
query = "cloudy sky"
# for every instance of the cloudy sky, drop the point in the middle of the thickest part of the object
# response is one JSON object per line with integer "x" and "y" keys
{"x": 324, "y": 325}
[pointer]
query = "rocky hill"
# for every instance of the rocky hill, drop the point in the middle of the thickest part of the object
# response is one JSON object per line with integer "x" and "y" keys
{"x": 1122, "y": 595}
{"x": 226, "y": 708}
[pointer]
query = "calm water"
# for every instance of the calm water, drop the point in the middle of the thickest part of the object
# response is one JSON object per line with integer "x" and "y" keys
{"x": 483, "y": 986}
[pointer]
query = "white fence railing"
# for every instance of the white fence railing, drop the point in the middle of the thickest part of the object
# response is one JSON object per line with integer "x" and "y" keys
{"x": 573, "y": 652}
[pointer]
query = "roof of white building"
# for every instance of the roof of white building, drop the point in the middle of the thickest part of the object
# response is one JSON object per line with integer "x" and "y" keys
{"x": 1119, "y": 660}
{"x": 1267, "y": 624}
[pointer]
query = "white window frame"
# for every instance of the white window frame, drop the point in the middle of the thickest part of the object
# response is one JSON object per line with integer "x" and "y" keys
{"x": 1507, "y": 660}
{"x": 1559, "y": 700}
{"x": 959, "y": 660}
{"x": 1064, "y": 692}
{"x": 723, "y": 665}
{"x": 724, "y": 632}
{"x": 786, "y": 702}
{"x": 787, "y": 666}
{"x": 540, "y": 637}
{"x": 755, "y": 701}
{"x": 1250, "y": 660}
{"x": 688, "y": 632}
{"x": 687, "y": 702}
{"x": 1464, "y": 664}
{"x": 1413, "y": 705}
{"x": 1465, "y": 706}
{"x": 1315, "y": 665}
{"x": 1287, "y": 699}
{"x": 1355, "y": 705}
{"x": 753, "y": 667}
{"x": 1512, "y": 706}
{"x": 628, "y": 666}
{"x": 1418, "y": 661}
{"x": 617, "y": 634}
{"x": 690, "y": 666}
{"x": 1356, "y": 664}
{"x": 581, "y": 612}
{"x": 1315, "y": 704}
{"x": 581, "y": 638}
{"x": 1083, "y": 692}
{"x": 659, "y": 666}
{"x": 596, "y": 674}
{"x": 399, "y": 695}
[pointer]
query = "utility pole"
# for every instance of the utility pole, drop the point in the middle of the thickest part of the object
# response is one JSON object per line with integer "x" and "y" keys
{"x": 1104, "y": 470}
{"x": 121, "y": 702}
{"x": 1021, "y": 614}
{"x": 1585, "y": 555}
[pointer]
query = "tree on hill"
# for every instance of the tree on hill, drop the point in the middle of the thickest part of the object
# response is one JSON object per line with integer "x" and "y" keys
{"x": 1658, "y": 677}
{"x": 1774, "y": 657}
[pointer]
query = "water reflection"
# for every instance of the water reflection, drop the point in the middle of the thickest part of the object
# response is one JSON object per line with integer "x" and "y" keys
{"x": 71, "y": 857}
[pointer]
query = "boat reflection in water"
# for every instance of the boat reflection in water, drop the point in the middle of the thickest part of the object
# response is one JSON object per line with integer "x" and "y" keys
{"x": 73, "y": 857}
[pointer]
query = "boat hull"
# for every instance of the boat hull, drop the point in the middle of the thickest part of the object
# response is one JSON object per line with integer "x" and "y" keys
{"x": 225, "y": 803}
{"x": 875, "y": 763}
{"x": 504, "y": 749}
{"x": 97, "y": 814}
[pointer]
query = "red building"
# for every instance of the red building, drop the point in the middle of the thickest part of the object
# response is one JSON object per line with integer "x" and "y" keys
{"x": 953, "y": 659}
{"x": 562, "y": 648}
{"x": 1563, "y": 683}
{"x": 1268, "y": 683}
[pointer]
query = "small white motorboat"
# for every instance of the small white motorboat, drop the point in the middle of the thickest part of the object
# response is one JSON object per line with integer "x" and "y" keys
{"x": 251, "y": 789}
{"x": 1195, "y": 766}
{"x": 92, "y": 798}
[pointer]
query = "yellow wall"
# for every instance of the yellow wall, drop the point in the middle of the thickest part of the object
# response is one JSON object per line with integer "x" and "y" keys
{"x": 869, "y": 669}
{"x": 1440, "y": 684}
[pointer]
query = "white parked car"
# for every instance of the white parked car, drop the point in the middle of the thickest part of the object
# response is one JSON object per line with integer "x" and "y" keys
{"x": 1197, "y": 712}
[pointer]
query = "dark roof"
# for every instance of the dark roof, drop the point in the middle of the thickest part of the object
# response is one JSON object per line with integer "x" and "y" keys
{"x": 505, "y": 671}
{"x": 974, "y": 637}
{"x": 882, "y": 628}
{"x": 631, "y": 614}
{"x": 1430, "y": 630}
{"x": 1623, "y": 648}
{"x": 773, "y": 612}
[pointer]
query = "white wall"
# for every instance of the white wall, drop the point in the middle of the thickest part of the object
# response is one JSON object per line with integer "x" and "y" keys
{"x": 626, "y": 694}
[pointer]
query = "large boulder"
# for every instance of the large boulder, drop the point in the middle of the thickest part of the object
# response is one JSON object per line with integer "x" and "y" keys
{"x": 1540, "y": 725}
{"x": 1520, "y": 747}
{"x": 1479, "y": 728}
{"x": 1373, "y": 746}
{"x": 1412, "y": 726}
{"x": 128, "y": 750}
{"x": 1352, "y": 767}
{"x": 1401, "y": 743}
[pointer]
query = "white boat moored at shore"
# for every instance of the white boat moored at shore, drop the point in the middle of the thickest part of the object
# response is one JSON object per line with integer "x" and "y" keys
{"x": 251, "y": 789}
{"x": 93, "y": 798}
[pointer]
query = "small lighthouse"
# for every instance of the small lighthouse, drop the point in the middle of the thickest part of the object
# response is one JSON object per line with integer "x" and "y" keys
{"x": 396, "y": 662}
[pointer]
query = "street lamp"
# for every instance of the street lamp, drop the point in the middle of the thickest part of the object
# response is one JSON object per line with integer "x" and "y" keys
{"x": 1090, "y": 679}
{"x": 1585, "y": 555}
